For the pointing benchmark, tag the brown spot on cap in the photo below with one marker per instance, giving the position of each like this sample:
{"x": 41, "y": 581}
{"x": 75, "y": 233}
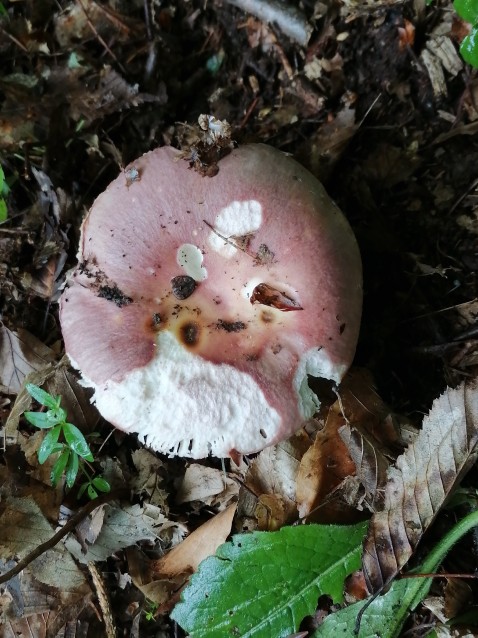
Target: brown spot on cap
{"x": 189, "y": 333}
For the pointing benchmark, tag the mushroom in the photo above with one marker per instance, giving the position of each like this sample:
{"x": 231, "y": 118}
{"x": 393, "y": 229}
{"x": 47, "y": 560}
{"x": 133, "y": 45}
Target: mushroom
{"x": 200, "y": 305}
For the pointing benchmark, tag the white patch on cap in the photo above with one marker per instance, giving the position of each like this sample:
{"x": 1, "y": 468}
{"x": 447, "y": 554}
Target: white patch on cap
{"x": 316, "y": 363}
{"x": 236, "y": 220}
{"x": 190, "y": 258}
{"x": 186, "y": 406}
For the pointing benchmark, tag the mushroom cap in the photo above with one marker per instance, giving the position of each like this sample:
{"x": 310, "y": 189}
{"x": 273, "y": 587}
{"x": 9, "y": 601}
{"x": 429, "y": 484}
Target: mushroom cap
{"x": 200, "y": 305}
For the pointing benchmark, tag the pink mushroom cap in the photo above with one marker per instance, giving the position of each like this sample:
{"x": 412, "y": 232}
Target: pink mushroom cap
{"x": 201, "y": 305}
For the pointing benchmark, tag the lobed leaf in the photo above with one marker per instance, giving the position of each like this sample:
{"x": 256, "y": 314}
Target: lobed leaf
{"x": 422, "y": 479}
{"x": 263, "y": 584}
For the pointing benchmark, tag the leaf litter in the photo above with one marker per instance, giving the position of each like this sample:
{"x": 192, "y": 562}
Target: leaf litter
{"x": 88, "y": 87}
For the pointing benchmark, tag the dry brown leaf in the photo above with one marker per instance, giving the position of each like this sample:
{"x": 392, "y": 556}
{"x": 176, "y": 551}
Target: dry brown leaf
{"x": 359, "y": 438}
{"x": 52, "y": 579}
{"x": 420, "y": 482}
{"x": 323, "y": 468}
{"x": 20, "y": 354}
{"x": 172, "y": 571}
{"x": 272, "y": 475}
{"x": 208, "y": 485}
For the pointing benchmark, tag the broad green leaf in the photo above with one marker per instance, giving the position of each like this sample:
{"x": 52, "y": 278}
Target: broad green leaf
{"x": 3, "y": 210}
{"x": 39, "y": 419}
{"x": 469, "y": 47}
{"x": 77, "y": 441}
{"x": 59, "y": 466}
{"x": 101, "y": 484}
{"x": 263, "y": 584}
{"x": 386, "y": 615}
{"x": 42, "y": 397}
{"x": 467, "y": 9}
{"x": 48, "y": 444}
{"x": 92, "y": 493}
{"x": 2, "y": 174}
{"x": 72, "y": 469}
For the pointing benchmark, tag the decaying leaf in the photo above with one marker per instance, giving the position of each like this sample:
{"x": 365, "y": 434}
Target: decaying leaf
{"x": 207, "y": 485}
{"x": 358, "y": 441}
{"x": 20, "y": 354}
{"x": 272, "y": 475}
{"x": 52, "y": 576}
{"x": 123, "y": 526}
{"x": 170, "y": 573}
{"x": 149, "y": 479}
{"x": 323, "y": 468}
{"x": 420, "y": 482}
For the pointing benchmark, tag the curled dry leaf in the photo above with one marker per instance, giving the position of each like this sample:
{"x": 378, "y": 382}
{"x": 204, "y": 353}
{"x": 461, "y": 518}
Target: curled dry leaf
{"x": 359, "y": 438}
{"x": 20, "y": 354}
{"x": 267, "y": 500}
{"x": 171, "y": 572}
{"x": 420, "y": 482}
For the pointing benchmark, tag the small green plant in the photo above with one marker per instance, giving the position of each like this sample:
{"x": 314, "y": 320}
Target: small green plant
{"x": 73, "y": 451}
{"x": 150, "y": 610}
{"x": 4, "y": 190}
{"x": 468, "y": 10}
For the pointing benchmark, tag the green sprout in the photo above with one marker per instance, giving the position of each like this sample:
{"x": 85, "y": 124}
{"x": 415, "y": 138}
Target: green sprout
{"x": 151, "y": 610}
{"x": 468, "y": 10}
{"x": 66, "y": 440}
{"x": 4, "y": 190}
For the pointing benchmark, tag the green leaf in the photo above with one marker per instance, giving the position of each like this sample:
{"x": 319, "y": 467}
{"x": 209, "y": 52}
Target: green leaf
{"x": 77, "y": 441}
{"x": 92, "y": 493}
{"x": 386, "y": 615}
{"x": 72, "y": 469}
{"x": 42, "y": 397}
{"x": 469, "y": 47}
{"x": 101, "y": 484}
{"x": 2, "y": 174}
{"x": 3, "y": 210}
{"x": 59, "y": 466}
{"x": 467, "y": 9}
{"x": 263, "y": 584}
{"x": 48, "y": 444}
{"x": 39, "y": 419}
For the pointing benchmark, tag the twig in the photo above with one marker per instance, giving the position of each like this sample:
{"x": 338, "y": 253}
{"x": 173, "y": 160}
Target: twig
{"x": 287, "y": 18}
{"x": 103, "y": 600}
{"x": 56, "y": 538}
{"x": 100, "y": 39}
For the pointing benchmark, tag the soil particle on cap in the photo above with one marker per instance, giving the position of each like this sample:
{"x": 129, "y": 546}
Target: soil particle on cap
{"x": 264, "y": 256}
{"x": 230, "y": 326}
{"x": 114, "y": 294}
{"x": 183, "y": 286}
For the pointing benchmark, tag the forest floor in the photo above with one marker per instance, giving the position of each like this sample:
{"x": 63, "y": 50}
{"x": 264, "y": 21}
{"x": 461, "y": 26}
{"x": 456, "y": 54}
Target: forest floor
{"x": 377, "y": 104}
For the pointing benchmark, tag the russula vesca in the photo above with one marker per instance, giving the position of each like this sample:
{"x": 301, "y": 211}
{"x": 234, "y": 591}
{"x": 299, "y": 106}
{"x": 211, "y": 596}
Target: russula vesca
{"x": 200, "y": 305}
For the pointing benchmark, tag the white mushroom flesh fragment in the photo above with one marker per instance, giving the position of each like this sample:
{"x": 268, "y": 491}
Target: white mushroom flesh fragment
{"x": 189, "y": 406}
{"x": 237, "y": 220}
{"x": 190, "y": 258}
